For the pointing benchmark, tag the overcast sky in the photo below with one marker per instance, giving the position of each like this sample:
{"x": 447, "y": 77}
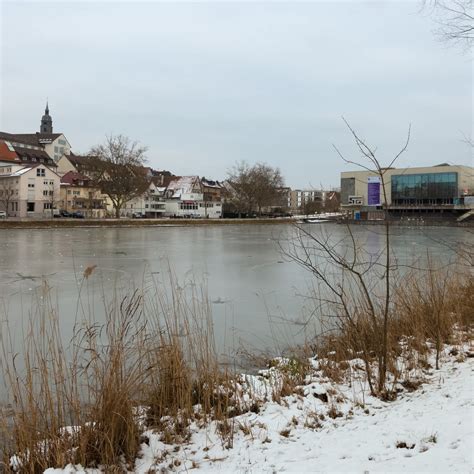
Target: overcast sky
{"x": 204, "y": 85}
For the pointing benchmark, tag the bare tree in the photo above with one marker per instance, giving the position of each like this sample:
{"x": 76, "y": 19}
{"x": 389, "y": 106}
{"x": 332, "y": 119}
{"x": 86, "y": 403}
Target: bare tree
{"x": 117, "y": 169}
{"x": 356, "y": 283}
{"x": 332, "y": 203}
{"x": 455, "y": 19}
{"x": 51, "y": 196}
{"x": 255, "y": 187}
{"x": 7, "y": 193}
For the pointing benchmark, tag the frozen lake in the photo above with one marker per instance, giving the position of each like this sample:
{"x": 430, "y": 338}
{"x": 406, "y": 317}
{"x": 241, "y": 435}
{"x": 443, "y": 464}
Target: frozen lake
{"x": 257, "y": 296}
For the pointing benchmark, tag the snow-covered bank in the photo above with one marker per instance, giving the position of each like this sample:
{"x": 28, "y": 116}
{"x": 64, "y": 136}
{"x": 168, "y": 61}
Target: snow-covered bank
{"x": 325, "y": 427}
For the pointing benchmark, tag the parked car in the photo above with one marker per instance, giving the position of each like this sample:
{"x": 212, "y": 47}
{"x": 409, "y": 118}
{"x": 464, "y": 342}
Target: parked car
{"x": 138, "y": 215}
{"x": 77, "y": 215}
{"x": 3, "y": 215}
{"x": 63, "y": 213}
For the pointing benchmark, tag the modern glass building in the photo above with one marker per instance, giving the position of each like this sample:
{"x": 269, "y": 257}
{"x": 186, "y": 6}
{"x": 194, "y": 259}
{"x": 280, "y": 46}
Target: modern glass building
{"x": 433, "y": 189}
{"x": 426, "y": 189}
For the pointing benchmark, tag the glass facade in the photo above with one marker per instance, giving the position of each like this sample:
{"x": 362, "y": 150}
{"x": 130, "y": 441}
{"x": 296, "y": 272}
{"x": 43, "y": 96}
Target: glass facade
{"x": 426, "y": 188}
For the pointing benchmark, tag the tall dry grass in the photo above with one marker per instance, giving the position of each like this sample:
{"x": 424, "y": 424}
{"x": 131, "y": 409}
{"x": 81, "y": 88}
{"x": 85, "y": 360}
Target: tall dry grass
{"x": 84, "y": 403}
{"x": 429, "y": 309}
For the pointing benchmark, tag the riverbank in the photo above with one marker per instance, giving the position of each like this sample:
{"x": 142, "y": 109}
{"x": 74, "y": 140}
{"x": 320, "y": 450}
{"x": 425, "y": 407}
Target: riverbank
{"x": 67, "y": 223}
{"x": 326, "y": 427}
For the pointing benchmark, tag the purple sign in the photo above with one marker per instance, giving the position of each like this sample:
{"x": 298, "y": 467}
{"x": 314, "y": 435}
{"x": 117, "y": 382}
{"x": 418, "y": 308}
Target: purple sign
{"x": 373, "y": 191}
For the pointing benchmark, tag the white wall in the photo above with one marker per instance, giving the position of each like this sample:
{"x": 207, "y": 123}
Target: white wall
{"x": 58, "y": 148}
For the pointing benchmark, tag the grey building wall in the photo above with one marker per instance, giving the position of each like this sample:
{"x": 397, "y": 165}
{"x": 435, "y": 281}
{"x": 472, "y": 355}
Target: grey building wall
{"x": 347, "y": 189}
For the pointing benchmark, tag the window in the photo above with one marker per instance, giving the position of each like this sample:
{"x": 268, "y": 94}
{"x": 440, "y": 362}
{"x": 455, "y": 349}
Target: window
{"x": 56, "y": 149}
{"x": 47, "y": 205}
{"x": 30, "y": 207}
{"x": 45, "y": 193}
{"x": 40, "y": 172}
{"x": 31, "y": 185}
{"x": 61, "y": 141}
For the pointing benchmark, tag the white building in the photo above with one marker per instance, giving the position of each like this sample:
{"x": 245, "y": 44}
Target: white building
{"x": 185, "y": 197}
{"x": 28, "y": 190}
{"x": 151, "y": 204}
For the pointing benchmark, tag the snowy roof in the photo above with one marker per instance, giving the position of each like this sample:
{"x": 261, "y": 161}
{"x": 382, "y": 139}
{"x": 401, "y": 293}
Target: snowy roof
{"x": 183, "y": 185}
{"x": 18, "y": 172}
{"x": 211, "y": 184}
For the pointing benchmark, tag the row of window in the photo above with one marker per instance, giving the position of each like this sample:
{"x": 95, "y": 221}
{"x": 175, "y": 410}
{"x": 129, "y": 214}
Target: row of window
{"x": 428, "y": 186}
{"x": 32, "y": 185}
{"x": 188, "y": 206}
{"x": 34, "y": 159}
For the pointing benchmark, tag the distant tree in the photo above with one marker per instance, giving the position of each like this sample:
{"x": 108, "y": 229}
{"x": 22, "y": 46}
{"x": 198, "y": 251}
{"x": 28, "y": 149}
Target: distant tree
{"x": 312, "y": 206}
{"x": 255, "y": 187}
{"x": 117, "y": 169}
{"x": 455, "y": 19}
{"x": 332, "y": 203}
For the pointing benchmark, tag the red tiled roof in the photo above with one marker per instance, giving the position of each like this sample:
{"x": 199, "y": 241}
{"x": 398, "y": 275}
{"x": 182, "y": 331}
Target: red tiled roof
{"x": 72, "y": 178}
{"x": 6, "y": 154}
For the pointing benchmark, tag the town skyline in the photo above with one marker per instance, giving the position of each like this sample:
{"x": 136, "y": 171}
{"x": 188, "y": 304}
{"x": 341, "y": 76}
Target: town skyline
{"x": 205, "y": 86}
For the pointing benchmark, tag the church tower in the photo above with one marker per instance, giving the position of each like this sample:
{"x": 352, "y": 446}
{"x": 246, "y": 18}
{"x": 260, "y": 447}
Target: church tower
{"x": 46, "y": 121}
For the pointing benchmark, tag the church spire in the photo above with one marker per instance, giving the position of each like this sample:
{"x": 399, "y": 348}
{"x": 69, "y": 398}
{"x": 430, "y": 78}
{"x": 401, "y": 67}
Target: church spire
{"x": 46, "y": 121}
